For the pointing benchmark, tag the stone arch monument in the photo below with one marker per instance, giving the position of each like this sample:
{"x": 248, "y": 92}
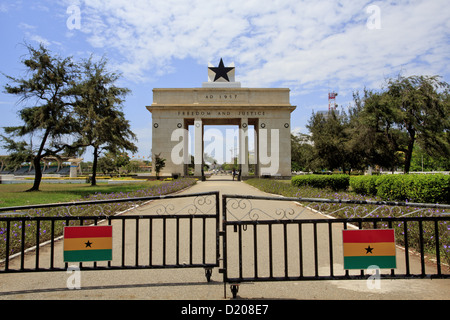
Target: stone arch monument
{"x": 222, "y": 101}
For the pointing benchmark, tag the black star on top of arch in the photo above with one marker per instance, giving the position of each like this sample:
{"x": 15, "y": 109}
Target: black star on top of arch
{"x": 221, "y": 71}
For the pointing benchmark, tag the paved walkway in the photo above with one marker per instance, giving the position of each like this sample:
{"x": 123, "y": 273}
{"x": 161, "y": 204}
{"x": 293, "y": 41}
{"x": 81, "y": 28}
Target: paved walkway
{"x": 182, "y": 284}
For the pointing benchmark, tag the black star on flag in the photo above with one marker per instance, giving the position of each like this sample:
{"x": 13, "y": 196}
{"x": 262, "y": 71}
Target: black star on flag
{"x": 221, "y": 71}
{"x": 88, "y": 244}
{"x": 369, "y": 250}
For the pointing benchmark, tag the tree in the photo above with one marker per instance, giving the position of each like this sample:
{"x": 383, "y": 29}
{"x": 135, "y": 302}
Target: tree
{"x": 112, "y": 162}
{"x": 102, "y": 123}
{"x": 21, "y": 154}
{"x": 302, "y": 153}
{"x": 159, "y": 164}
{"x": 330, "y": 135}
{"x": 48, "y": 117}
{"x": 134, "y": 166}
{"x": 375, "y": 137}
{"x": 421, "y": 161}
{"x": 410, "y": 109}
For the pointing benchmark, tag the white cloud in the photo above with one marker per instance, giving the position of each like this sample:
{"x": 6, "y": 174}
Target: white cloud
{"x": 26, "y": 26}
{"x": 297, "y": 130}
{"x": 7, "y": 6}
{"x": 299, "y": 43}
{"x": 39, "y": 39}
{"x": 30, "y": 33}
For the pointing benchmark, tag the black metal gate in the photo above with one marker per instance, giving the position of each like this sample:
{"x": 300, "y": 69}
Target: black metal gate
{"x": 148, "y": 233}
{"x": 263, "y": 241}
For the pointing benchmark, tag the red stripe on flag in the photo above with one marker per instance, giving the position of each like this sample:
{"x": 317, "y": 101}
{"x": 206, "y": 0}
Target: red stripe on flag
{"x": 88, "y": 232}
{"x": 368, "y": 236}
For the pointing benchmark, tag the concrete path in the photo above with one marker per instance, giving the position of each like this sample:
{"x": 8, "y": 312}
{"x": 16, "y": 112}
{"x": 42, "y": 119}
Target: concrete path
{"x": 190, "y": 284}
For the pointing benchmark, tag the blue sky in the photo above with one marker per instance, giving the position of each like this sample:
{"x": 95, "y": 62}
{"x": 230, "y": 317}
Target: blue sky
{"x": 311, "y": 47}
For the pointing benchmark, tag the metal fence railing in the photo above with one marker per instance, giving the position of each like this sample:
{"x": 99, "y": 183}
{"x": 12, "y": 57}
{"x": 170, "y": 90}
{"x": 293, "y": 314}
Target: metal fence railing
{"x": 148, "y": 232}
{"x": 263, "y": 238}
{"x": 266, "y": 241}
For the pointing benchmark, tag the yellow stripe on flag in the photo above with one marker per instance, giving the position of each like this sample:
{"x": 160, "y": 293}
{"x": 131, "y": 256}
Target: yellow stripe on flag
{"x": 369, "y": 249}
{"x": 87, "y": 244}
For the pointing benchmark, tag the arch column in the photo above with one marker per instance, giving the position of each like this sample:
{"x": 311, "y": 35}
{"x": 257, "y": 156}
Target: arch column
{"x": 198, "y": 147}
{"x": 243, "y": 146}
{"x": 256, "y": 148}
{"x": 186, "y": 156}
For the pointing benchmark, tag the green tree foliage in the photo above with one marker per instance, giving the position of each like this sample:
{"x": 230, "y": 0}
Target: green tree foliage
{"x": 46, "y": 91}
{"x": 68, "y": 107}
{"x": 331, "y": 136}
{"x": 99, "y": 112}
{"x": 160, "y": 163}
{"x": 21, "y": 154}
{"x": 302, "y": 156}
{"x": 112, "y": 163}
{"x": 409, "y": 110}
{"x": 422, "y": 161}
{"x": 375, "y": 132}
{"x": 385, "y": 128}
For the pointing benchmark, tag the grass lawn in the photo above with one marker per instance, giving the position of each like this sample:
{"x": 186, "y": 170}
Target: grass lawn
{"x": 15, "y": 195}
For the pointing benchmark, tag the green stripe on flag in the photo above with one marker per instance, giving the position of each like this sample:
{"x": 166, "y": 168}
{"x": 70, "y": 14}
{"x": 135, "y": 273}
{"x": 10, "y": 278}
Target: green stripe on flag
{"x": 383, "y": 262}
{"x": 87, "y": 255}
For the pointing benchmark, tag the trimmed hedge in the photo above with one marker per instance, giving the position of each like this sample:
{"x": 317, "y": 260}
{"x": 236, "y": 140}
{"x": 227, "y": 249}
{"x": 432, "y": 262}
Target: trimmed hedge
{"x": 433, "y": 188}
{"x": 364, "y": 184}
{"x": 335, "y": 181}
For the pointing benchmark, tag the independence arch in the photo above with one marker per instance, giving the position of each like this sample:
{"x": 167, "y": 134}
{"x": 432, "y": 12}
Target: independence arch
{"x": 222, "y": 101}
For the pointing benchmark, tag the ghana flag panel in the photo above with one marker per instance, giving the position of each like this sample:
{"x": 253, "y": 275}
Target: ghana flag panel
{"x": 87, "y": 243}
{"x": 365, "y": 248}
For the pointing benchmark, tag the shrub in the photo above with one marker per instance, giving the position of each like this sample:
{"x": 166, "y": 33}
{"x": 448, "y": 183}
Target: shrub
{"x": 416, "y": 188}
{"x": 431, "y": 188}
{"x": 365, "y": 185}
{"x": 334, "y": 181}
{"x": 392, "y": 187}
